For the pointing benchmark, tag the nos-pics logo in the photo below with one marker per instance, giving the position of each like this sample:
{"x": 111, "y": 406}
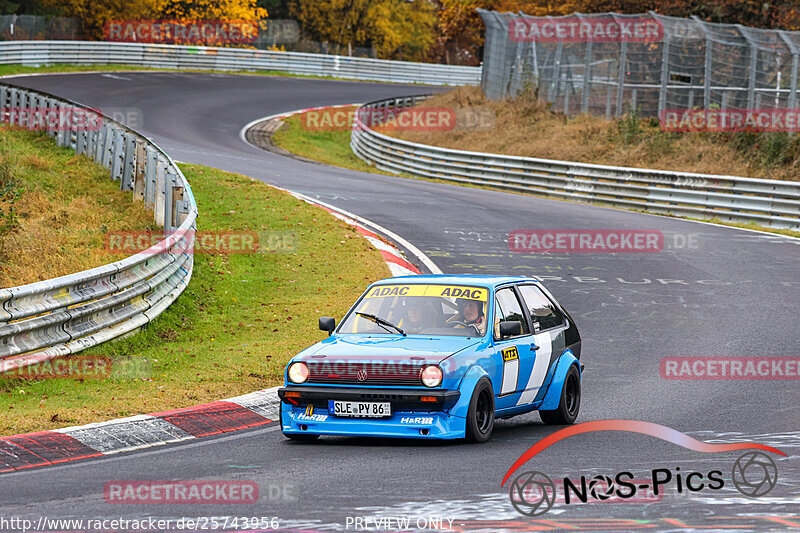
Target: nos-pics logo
{"x": 533, "y": 493}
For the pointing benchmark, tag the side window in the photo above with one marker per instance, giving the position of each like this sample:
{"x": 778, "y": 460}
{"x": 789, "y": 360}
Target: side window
{"x": 508, "y": 308}
{"x": 544, "y": 315}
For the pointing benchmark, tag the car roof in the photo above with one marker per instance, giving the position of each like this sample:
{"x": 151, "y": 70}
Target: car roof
{"x": 480, "y": 280}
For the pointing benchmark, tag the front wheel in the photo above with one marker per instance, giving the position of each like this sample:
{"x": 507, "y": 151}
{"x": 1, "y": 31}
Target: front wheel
{"x": 480, "y": 418}
{"x": 570, "y": 403}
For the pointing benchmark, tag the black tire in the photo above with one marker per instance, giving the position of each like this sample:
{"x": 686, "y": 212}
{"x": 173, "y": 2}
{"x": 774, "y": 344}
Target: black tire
{"x": 480, "y": 418}
{"x": 302, "y": 437}
{"x": 570, "y": 403}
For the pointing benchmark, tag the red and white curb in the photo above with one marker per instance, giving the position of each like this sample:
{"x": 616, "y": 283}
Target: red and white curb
{"x": 44, "y": 448}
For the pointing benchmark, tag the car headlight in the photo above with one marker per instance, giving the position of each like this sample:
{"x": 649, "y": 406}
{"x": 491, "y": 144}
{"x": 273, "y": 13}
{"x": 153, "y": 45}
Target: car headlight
{"x": 298, "y": 372}
{"x": 431, "y": 376}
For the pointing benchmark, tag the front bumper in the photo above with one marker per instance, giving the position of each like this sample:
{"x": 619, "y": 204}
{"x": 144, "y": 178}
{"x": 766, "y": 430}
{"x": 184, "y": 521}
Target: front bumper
{"x": 411, "y": 417}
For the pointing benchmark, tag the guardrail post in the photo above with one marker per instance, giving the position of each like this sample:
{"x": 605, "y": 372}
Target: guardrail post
{"x": 150, "y": 178}
{"x": 99, "y": 143}
{"x": 128, "y": 161}
{"x": 64, "y": 125}
{"x": 81, "y": 141}
{"x": 139, "y": 174}
{"x": 13, "y": 117}
{"x": 169, "y": 184}
{"x": 108, "y": 154}
{"x": 161, "y": 178}
{"x": 180, "y": 209}
{"x": 117, "y": 153}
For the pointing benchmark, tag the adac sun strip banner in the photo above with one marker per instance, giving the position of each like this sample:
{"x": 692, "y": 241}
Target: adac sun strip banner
{"x": 446, "y": 291}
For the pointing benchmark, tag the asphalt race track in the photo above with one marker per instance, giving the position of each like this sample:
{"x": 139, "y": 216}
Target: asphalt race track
{"x": 712, "y": 291}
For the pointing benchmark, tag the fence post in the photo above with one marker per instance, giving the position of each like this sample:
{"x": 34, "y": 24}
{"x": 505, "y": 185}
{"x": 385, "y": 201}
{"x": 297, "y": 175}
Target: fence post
{"x": 623, "y": 60}
{"x": 663, "y": 93}
{"x": 795, "y": 57}
{"x": 707, "y": 72}
{"x": 554, "y": 85}
{"x": 751, "y": 82}
{"x": 587, "y": 78}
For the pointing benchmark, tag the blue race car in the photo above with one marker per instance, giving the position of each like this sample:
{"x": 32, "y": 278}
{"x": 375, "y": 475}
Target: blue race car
{"x": 436, "y": 357}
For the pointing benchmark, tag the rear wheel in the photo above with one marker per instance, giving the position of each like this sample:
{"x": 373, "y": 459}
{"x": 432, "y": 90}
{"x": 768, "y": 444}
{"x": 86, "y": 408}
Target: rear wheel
{"x": 298, "y": 436}
{"x": 480, "y": 418}
{"x": 570, "y": 403}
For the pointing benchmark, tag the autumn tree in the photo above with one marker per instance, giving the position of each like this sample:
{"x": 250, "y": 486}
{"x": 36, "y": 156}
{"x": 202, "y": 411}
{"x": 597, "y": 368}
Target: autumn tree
{"x": 458, "y": 33}
{"x": 95, "y": 13}
{"x": 398, "y": 29}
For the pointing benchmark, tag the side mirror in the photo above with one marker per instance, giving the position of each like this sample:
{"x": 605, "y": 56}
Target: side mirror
{"x": 509, "y": 328}
{"x": 327, "y": 323}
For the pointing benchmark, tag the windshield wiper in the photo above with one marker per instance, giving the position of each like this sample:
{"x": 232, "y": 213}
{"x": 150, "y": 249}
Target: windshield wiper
{"x": 382, "y": 322}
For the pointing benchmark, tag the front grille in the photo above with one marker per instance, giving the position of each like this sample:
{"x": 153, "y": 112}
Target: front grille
{"x": 373, "y": 373}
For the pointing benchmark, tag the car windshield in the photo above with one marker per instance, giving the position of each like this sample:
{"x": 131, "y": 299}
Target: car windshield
{"x": 457, "y": 310}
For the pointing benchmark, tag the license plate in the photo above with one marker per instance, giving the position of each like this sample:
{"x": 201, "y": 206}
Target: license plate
{"x": 360, "y": 409}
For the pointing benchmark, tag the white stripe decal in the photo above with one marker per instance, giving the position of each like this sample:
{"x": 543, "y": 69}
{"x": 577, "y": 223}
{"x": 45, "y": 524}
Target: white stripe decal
{"x": 545, "y": 344}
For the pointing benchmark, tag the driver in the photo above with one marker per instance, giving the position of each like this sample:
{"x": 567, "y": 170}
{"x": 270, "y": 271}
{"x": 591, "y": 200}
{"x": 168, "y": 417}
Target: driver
{"x": 472, "y": 313}
{"x": 414, "y": 319}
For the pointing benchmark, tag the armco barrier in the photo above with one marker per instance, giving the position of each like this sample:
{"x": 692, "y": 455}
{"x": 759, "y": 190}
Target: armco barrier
{"x": 770, "y": 203}
{"x": 37, "y": 53}
{"x": 64, "y": 315}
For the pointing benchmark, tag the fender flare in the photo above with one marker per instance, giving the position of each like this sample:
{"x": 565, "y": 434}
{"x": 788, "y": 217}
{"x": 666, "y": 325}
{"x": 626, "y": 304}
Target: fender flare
{"x": 552, "y": 398}
{"x": 467, "y": 387}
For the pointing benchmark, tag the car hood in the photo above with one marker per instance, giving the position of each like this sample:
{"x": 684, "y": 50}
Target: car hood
{"x": 370, "y": 347}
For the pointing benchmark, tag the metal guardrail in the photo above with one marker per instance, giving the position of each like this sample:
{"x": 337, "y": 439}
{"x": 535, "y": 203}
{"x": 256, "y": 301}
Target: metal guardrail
{"x": 36, "y": 53}
{"x": 64, "y": 315}
{"x": 771, "y": 203}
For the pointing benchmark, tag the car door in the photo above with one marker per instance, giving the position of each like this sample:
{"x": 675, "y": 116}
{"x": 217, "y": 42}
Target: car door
{"x": 548, "y": 324}
{"x": 512, "y": 354}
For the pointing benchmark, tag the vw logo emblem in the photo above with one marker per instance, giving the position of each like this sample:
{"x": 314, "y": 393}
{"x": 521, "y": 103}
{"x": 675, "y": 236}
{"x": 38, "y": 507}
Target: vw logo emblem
{"x": 361, "y": 375}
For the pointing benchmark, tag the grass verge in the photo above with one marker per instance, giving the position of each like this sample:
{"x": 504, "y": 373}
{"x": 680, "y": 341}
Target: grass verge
{"x": 233, "y": 329}
{"x": 329, "y": 147}
{"x": 55, "y": 210}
